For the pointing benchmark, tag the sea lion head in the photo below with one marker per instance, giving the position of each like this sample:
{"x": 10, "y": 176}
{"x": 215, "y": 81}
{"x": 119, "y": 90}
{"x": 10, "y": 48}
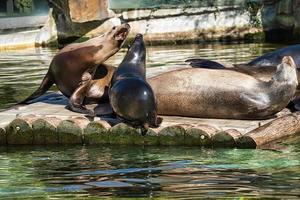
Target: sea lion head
{"x": 287, "y": 71}
{"x": 136, "y": 53}
{"x": 118, "y": 34}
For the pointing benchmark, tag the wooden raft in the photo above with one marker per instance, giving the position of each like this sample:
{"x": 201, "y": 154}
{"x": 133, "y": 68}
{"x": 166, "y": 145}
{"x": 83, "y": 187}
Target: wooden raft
{"x": 48, "y": 122}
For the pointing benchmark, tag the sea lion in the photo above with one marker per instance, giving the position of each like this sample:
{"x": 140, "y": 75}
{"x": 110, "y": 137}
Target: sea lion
{"x": 131, "y": 97}
{"x": 219, "y": 93}
{"x": 261, "y": 68}
{"x": 75, "y": 66}
{"x": 274, "y": 58}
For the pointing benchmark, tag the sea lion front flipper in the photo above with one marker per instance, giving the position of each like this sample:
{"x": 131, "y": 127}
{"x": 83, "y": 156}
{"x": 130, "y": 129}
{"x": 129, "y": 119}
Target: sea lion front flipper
{"x": 77, "y": 98}
{"x": 204, "y": 63}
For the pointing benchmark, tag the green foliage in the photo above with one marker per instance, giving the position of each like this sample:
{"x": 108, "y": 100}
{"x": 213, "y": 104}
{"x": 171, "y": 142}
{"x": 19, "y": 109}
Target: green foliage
{"x": 24, "y": 6}
{"x": 254, "y": 7}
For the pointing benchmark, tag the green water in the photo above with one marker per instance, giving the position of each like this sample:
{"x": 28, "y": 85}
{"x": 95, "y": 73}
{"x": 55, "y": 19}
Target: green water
{"x": 131, "y": 171}
{"x": 99, "y": 172}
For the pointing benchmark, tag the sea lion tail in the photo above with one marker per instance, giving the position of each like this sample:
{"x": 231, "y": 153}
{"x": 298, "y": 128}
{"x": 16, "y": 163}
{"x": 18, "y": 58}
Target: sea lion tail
{"x": 44, "y": 86}
{"x": 204, "y": 63}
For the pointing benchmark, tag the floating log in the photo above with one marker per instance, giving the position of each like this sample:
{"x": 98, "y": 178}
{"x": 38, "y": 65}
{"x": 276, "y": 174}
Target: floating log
{"x": 277, "y": 129}
{"x": 172, "y": 135}
{"x": 19, "y": 131}
{"x": 44, "y": 130}
{"x": 71, "y": 131}
{"x": 200, "y": 135}
{"x": 226, "y": 138}
{"x": 2, "y": 136}
{"x": 122, "y": 134}
{"x": 151, "y": 138}
{"x": 96, "y": 132}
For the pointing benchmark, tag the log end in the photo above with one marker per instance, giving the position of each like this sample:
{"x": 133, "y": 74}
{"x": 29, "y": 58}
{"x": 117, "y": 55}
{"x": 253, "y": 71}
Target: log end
{"x": 246, "y": 142}
{"x": 19, "y": 131}
{"x": 69, "y": 132}
{"x": 44, "y": 131}
{"x": 96, "y": 133}
{"x": 172, "y": 135}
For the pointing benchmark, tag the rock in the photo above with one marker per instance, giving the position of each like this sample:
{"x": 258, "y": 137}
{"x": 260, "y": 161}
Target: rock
{"x": 89, "y": 10}
{"x": 47, "y": 36}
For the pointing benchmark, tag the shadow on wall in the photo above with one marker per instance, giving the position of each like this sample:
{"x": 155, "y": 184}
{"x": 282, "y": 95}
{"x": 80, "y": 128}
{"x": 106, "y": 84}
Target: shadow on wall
{"x": 71, "y": 28}
{"x": 281, "y": 20}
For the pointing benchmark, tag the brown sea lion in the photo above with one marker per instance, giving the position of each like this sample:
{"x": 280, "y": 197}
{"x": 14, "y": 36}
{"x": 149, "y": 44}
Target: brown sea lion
{"x": 75, "y": 66}
{"x": 130, "y": 96}
{"x": 262, "y": 67}
{"x": 219, "y": 93}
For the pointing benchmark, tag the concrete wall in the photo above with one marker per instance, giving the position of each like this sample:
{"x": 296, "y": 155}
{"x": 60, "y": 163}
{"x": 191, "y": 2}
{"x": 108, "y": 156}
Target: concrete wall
{"x": 72, "y": 20}
{"x": 158, "y": 25}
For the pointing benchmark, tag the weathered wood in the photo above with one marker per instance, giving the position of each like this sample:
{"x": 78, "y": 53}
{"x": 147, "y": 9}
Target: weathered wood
{"x": 2, "y": 136}
{"x": 96, "y": 132}
{"x": 71, "y": 131}
{"x": 172, "y": 135}
{"x": 122, "y": 134}
{"x": 227, "y": 138}
{"x": 19, "y": 131}
{"x": 277, "y": 129}
{"x": 199, "y": 135}
{"x": 44, "y": 130}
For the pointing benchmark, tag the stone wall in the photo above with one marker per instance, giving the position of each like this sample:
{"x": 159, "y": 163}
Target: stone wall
{"x": 88, "y": 18}
{"x": 281, "y": 20}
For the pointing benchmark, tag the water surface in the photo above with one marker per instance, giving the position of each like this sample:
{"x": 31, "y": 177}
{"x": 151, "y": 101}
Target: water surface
{"x": 131, "y": 171}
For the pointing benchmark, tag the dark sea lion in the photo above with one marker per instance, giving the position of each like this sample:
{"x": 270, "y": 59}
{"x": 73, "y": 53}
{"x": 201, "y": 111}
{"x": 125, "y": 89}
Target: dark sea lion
{"x": 219, "y": 93}
{"x": 274, "y": 58}
{"x": 75, "y": 66}
{"x": 131, "y": 97}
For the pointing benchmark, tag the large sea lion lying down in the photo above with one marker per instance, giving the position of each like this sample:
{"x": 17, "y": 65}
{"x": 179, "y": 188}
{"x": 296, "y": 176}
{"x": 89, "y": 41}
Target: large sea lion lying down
{"x": 262, "y": 67}
{"x": 130, "y": 96}
{"x": 75, "y": 66}
{"x": 219, "y": 93}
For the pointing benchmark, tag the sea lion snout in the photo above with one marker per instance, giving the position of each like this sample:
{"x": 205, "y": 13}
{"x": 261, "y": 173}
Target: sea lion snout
{"x": 289, "y": 61}
{"x": 121, "y": 32}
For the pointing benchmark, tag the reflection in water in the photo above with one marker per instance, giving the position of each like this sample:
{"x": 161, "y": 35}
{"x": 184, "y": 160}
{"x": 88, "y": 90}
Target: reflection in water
{"x": 149, "y": 172}
{"x": 21, "y": 71}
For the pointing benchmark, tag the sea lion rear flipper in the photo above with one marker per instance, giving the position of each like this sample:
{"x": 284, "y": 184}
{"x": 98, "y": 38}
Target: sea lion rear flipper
{"x": 47, "y": 82}
{"x": 103, "y": 110}
{"x": 204, "y": 63}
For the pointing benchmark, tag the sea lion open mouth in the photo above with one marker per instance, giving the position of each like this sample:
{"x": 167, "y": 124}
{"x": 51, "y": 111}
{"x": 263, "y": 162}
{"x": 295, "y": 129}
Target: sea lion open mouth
{"x": 122, "y": 33}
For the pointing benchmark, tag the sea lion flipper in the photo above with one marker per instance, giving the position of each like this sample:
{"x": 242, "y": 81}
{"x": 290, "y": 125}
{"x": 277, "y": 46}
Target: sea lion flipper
{"x": 204, "y": 63}
{"x": 47, "y": 82}
{"x": 77, "y": 98}
{"x": 103, "y": 110}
